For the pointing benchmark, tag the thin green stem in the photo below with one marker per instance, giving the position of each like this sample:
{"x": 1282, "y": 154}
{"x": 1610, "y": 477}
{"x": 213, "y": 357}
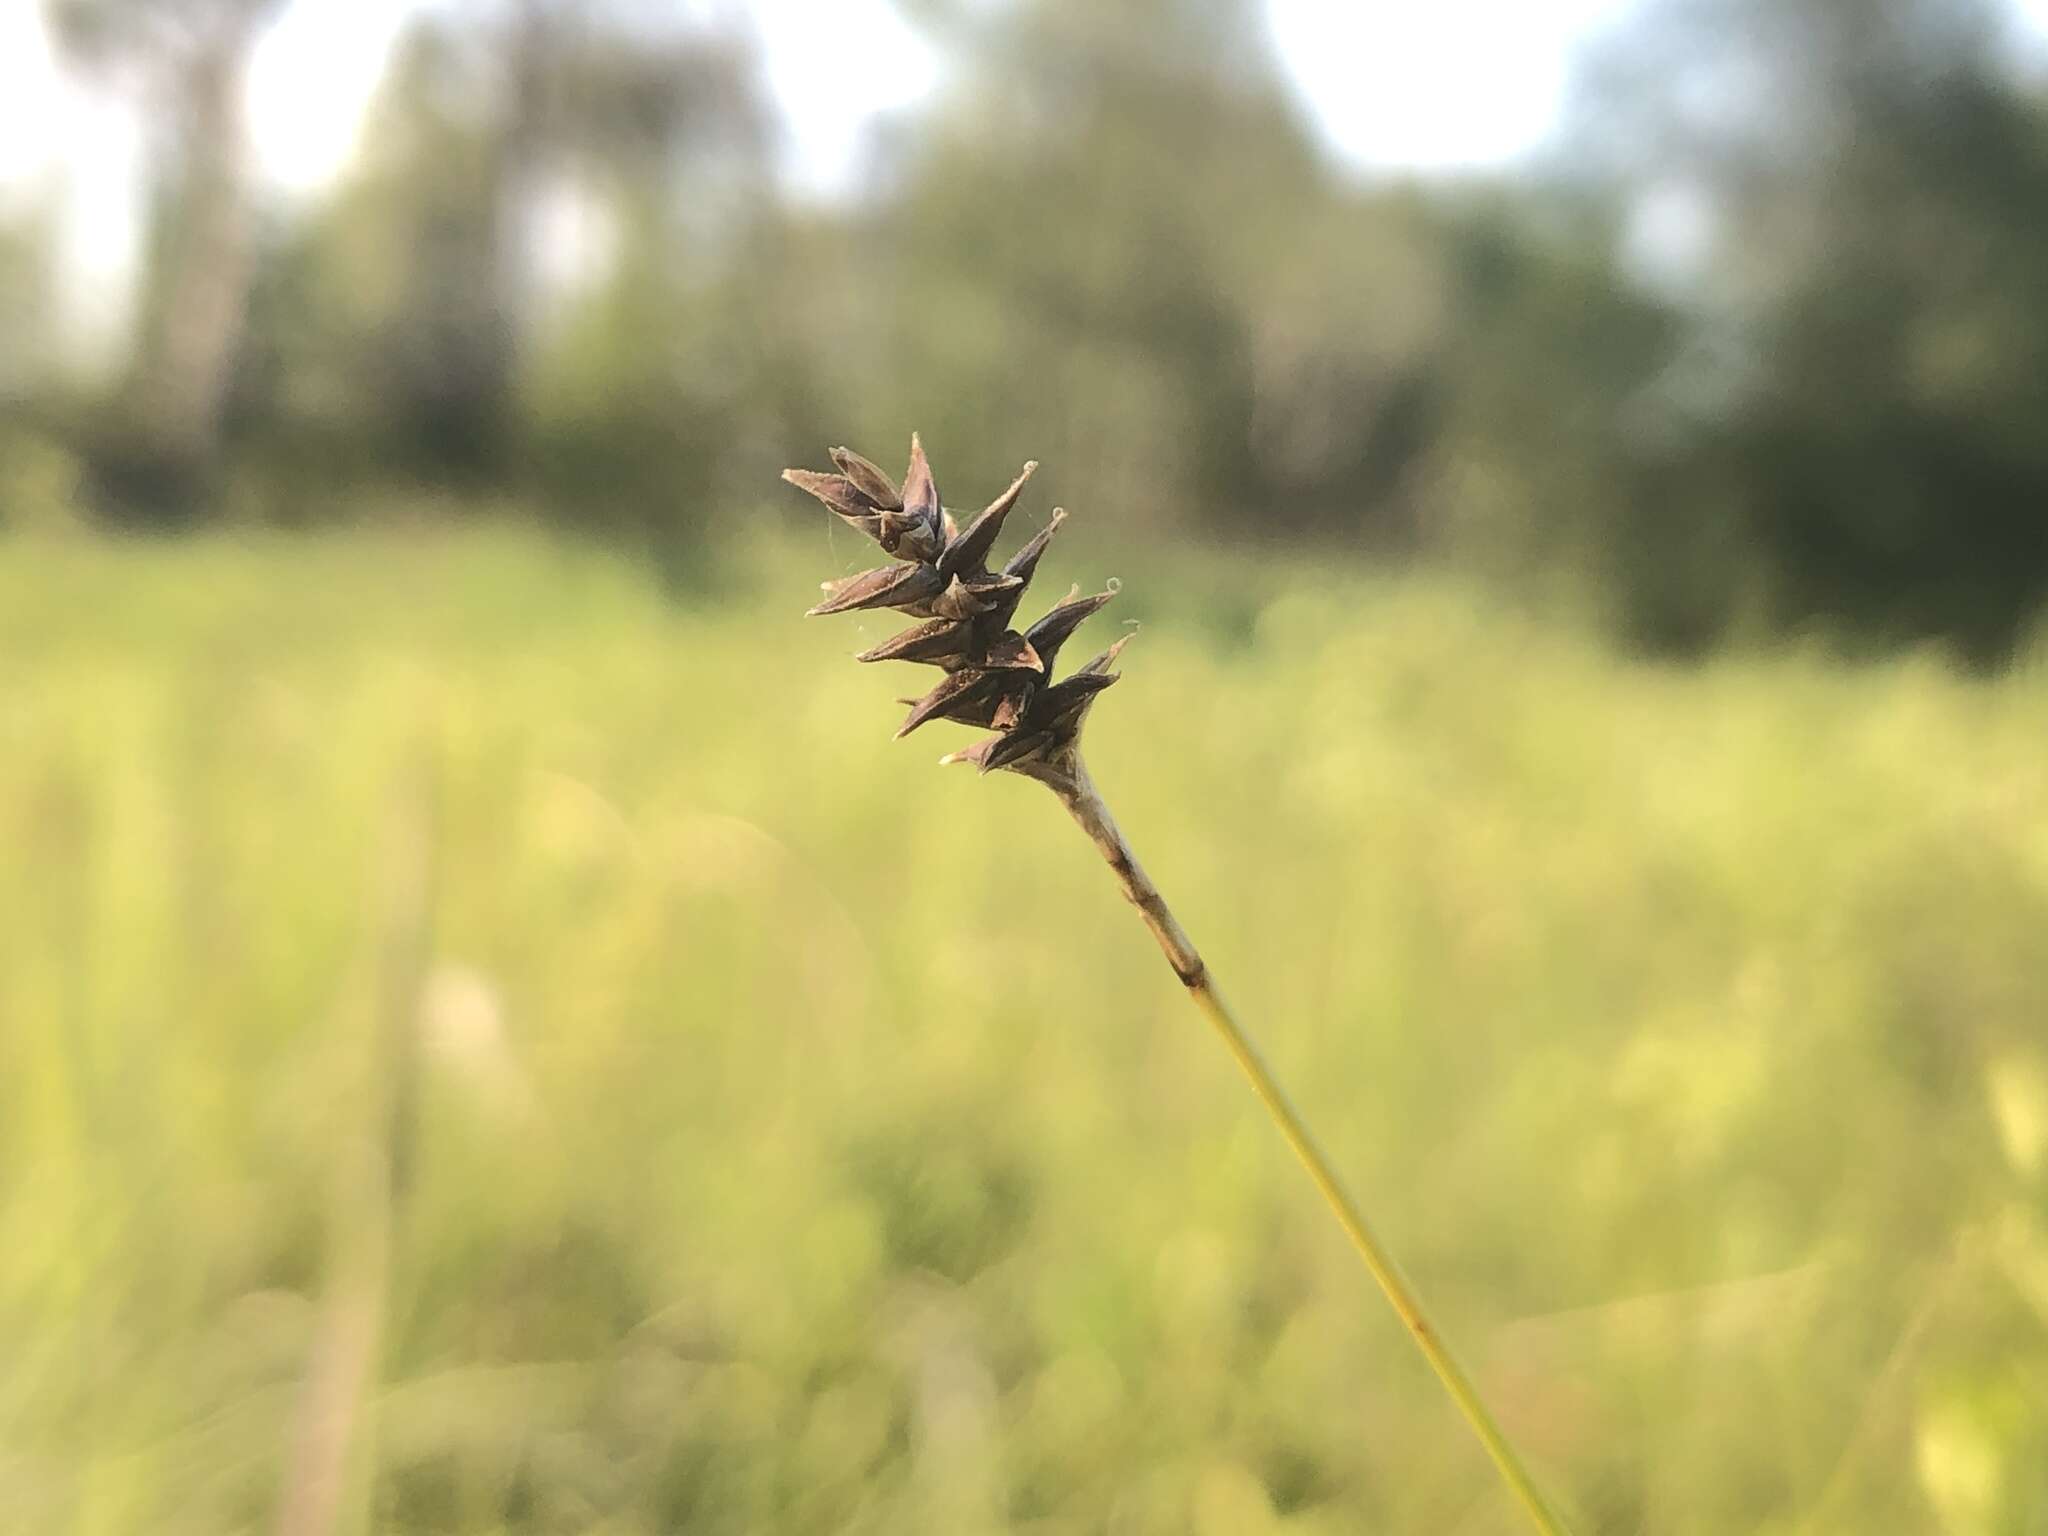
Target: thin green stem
{"x": 1068, "y": 778}
{"x": 1399, "y": 1292}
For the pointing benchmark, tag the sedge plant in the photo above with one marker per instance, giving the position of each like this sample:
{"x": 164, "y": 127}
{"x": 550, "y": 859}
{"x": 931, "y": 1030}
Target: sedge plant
{"x": 1001, "y": 679}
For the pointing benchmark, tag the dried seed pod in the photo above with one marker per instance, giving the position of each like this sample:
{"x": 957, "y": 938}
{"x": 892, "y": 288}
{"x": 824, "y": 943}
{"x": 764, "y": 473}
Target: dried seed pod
{"x": 842, "y": 496}
{"x": 966, "y": 552}
{"x": 1051, "y": 631}
{"x": 887, "y": 586}
{"x": 938, "y": 641}
{"x": 1002, "y": 680}
{"x": 968, "y": 693}
{"x": 870, "y": 481}
{"x": 924, "y": 533}
{"x": 995, "y": 677}
{"x": 971, "y": 597}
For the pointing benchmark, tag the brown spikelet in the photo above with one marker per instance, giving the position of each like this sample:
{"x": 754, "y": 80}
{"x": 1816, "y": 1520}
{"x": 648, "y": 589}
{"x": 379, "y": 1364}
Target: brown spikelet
{"x": 996, "y": 678}
{"x": 1002, "y": 681}
{"x": 886, "y": 586}
{"x": 869, "y": 480}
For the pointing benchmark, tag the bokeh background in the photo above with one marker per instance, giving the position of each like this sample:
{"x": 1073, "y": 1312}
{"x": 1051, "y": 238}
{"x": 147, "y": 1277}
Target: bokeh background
{"x": 493, "y": 1036}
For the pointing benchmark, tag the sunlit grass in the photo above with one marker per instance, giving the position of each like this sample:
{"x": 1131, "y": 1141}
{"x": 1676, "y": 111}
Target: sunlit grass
{"x": 1685, "y": 1029}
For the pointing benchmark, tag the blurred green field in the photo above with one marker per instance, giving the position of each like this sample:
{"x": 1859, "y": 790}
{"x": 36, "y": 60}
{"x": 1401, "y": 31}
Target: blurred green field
{"x": 808, "y": 1139}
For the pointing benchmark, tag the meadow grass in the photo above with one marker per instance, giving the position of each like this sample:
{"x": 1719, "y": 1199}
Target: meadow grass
{"x": 1685, "y": 1029}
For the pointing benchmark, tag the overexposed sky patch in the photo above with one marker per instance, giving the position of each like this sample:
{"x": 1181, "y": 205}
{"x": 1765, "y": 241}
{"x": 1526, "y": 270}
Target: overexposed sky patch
{"x": 1441, "y": 86}
{"x": 1445, "y": 85}
{"x": 28, "y": 94}
{"x": 832, "y": 68}
{"x": 1449, "y": 84}
{"x": 310, "y": 83}
{"x": 65, "y": 156}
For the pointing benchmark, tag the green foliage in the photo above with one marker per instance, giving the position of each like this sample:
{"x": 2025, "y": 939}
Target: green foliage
{"x": 530, "y": 282}
{"x": 40, "y": 484}
{"x": 27, "y": 293}
{"x": 811, "y": 1141}
{"x": 152, "y": 446}
{"x": 1866, "y": 452}
{"x": 380, "y": 348}
{"x": 563, "y": 273}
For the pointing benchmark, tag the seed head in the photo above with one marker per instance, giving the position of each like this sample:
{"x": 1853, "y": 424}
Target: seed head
{"x": 995, "y": 677}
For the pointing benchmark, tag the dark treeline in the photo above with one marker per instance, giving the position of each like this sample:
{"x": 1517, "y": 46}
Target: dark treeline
{"x": 1762, "y": 346}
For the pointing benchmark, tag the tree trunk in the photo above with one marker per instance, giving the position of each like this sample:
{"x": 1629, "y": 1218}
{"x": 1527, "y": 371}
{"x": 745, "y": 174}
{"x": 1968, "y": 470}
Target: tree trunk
{"x": 195, "y": 293}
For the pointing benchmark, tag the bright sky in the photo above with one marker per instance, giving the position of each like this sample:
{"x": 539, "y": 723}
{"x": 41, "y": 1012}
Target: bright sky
{"x": 1395, "y": 83}
{"x": 1439, "y": 85}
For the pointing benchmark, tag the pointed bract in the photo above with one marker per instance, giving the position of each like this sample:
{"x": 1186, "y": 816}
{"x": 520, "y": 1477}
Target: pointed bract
{"x": 966, "y": 552}
{"x": 936, "y": 641}
{"x": 958, "y": 692}
{"x": 836, "y": 491}
{"x": 868, "y": 479}
{"x": 918, "y": 541}
{"x": 1023, "y": 563}
{"x": 896, "y": 528}
{"x": 1000, "y": 705}
{"x": 976, "y": 754}
{"x": 1071, "y": 693}
{"x": 969, "y": 597}
{"x": 888, "y": 586}
{"x": 1051, "y": 631}
{"x": 1016, "y": 747}
{"x": 995, "y": 677}
{"x": 1049, "y": 726}
{"x": 1012, "y": 652}
{"x": 842, "y": 496}
{"x": 920, "y": 491}
{"x": 1107, "y": 659}
{"x": 993, "y": 752}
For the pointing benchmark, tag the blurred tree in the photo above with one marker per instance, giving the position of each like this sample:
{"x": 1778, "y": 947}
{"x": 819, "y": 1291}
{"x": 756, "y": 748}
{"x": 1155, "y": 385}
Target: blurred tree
{"x": 1873, "y": 292}
{"x": 1552, "y": 362}
{"x": 38, "y": 475}
{"x": 515, "y": 287}
{"x": 1118, "y": 244}
{"x": 27, "y": 307}
{"x": 643, "y": 387}
{"x": 183, "y": 61}
{"x": 379, "y": 347}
